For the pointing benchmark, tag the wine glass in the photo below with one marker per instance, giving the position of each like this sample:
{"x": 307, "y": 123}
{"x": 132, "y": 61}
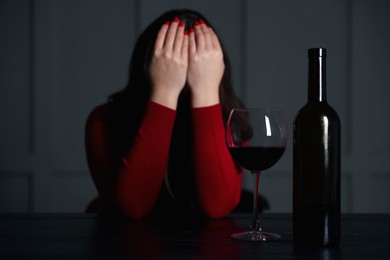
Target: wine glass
{"x": 256, "y": 139}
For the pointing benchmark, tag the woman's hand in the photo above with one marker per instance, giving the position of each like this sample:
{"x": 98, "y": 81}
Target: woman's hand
{"x": 168, "y": 68}
{"x": 205, "y": 66}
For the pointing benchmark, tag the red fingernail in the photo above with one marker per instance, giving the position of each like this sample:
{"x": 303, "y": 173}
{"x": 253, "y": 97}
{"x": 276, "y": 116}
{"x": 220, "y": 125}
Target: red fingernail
{"x": 168, "y": 23}
{"x": 176, "y": 19}
{"x": 181, "y": 24}
{"x": 192, "y": 29}
{"x": 196, "y": 23}
{"x": 185, "y": 32}
{"x": 201, "y": 21}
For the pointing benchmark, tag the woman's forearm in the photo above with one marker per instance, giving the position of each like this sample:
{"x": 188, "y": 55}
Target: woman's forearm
{"x": 140, "y": 179}
{"x": 218, "y": 180}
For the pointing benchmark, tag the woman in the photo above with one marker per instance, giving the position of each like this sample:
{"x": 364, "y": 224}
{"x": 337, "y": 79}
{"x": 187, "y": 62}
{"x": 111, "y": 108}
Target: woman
{"x": 158, "y": 145}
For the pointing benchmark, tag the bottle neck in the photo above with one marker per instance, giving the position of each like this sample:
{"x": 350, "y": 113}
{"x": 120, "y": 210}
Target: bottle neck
{"x": 317, "y": 79}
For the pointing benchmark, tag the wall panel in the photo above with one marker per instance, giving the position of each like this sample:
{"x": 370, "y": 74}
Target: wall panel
{"x": 15, "y": 99}
{"x": 93, "y": 44}
{"x": 72, "y": 191}
{"x": 15, "y": 192}
{"x": 83, "y": 50}
{"x": 371, "y": 124}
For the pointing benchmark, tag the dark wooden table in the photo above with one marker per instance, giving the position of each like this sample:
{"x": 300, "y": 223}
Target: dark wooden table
{"x": 86, "y": 236}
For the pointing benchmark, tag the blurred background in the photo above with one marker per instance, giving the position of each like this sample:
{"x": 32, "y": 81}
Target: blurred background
{"x": 60, "y": 59}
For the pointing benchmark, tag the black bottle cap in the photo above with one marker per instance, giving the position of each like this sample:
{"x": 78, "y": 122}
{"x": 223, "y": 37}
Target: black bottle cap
{"x": 317, "y": 52}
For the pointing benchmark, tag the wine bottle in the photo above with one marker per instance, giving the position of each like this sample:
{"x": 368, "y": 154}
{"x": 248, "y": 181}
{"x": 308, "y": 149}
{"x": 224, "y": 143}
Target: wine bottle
{"x": 316, "y": 162}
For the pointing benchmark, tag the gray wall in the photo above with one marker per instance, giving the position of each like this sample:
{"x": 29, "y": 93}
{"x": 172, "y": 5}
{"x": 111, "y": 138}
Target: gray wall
{"x": 59, "y": 59}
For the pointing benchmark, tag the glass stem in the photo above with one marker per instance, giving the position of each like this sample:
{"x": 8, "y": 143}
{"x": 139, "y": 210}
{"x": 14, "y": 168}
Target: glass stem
{"x": 255, "y": 226}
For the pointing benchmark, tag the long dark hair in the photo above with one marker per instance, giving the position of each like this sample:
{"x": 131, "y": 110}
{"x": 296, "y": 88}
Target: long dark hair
{"x": 133, "y": 99}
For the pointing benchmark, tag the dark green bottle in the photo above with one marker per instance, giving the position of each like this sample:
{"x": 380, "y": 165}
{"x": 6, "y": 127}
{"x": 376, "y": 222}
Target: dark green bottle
{"x": 316, "y": 162}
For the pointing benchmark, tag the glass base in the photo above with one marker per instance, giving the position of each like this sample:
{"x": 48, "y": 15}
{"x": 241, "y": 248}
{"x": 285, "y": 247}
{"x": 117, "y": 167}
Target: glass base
{"x": 256, "y": 236}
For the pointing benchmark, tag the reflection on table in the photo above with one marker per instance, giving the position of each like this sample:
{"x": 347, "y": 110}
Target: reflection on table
{"x": 81, "y": 236}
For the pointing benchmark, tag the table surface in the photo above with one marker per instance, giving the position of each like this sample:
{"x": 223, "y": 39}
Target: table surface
{"x": 88, "y": 236}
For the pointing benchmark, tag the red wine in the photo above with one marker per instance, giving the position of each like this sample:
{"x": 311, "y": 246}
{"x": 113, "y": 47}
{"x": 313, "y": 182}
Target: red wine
{"x": 256, "y": 158}
{"x": 316, "y": 163}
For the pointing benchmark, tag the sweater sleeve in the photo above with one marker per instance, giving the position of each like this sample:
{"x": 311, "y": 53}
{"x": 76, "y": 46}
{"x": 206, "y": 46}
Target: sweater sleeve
{"x": 218, "y": 180}
{"x": 142, "y": 169}
{"x": 144, "y": 166}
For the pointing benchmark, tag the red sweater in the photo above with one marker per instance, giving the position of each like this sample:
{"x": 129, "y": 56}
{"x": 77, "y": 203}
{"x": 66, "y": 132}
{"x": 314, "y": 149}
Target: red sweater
{"x": 198, "y": 167}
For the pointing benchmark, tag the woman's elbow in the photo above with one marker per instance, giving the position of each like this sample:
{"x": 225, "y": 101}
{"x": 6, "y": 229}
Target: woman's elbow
{"x": 133, "y": 209}
{"x": 219, "y": 209}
